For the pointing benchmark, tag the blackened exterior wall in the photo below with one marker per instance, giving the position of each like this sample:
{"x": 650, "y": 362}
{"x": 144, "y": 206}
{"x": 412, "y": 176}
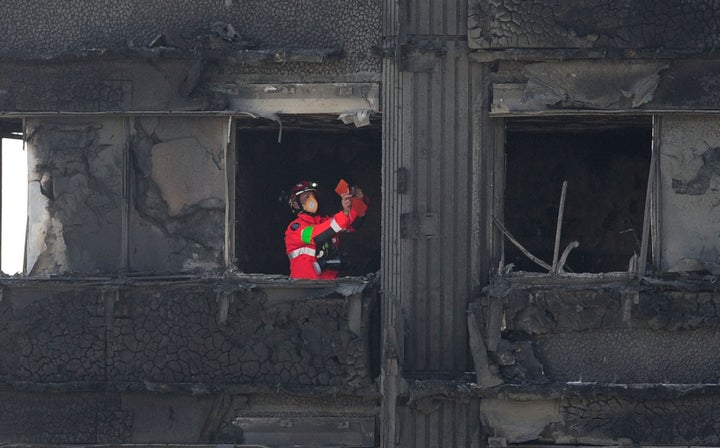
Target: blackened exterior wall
{"x": 200, "y": 360}
{"x": 41, "y": 30}
{"x": 580, "y": 363}
{"x": 96, "y": 363}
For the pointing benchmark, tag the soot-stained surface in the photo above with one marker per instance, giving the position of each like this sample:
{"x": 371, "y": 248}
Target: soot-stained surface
{"x": 93, "y": 363}
{"x": 36, "y": 30}
{"x": 613, "y": 334}
{"x": 593, "y": 23}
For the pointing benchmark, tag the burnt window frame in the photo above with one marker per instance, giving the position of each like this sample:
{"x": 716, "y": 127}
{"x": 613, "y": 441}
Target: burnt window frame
{"x": 648, "y": 260}
{"x": 281, "y": 127}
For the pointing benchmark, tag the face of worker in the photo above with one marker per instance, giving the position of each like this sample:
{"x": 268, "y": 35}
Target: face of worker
{"x": 309, "y": 202}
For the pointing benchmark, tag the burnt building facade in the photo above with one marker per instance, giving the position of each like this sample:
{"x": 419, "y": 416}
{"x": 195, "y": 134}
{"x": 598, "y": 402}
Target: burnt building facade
{"x": 538, "y": 265}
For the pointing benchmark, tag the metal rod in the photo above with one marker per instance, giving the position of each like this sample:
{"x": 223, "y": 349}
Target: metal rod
{"x": 558, "y": 228}
{"x": 648, "y": 200}
{"x": 527, "y": 253}
{"x": 566, "y": 252}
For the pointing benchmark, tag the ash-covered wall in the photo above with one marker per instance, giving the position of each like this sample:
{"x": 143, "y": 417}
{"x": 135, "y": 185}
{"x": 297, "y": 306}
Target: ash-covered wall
{"x": 177, "y": 194}
{"x": 603, "y": 333}
{"x": 600, "y": 361}
{"x": 99, "y": 363}
{"x": 38, "y": 30}
{"x": 604, "y": 24}
{"x": 129, "y": 113}
{"x": 690, "y": 191}
{"x": 126, "y": 194}
{"x": 75, "y": 197}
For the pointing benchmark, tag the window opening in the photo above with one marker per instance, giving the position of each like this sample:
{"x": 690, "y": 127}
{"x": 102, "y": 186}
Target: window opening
{"x": 14, "y": 199}
{"x": 605, "y": 161}
{"x": 313, "y": 147}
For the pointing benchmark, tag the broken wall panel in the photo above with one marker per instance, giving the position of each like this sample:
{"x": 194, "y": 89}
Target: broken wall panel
{"x": 620, "y": 334}
{"x": 75, "y": 169}
{"x": 643, "y": 417}
{"x": 178, "y": 188}
{"x": 643, "y": 86}
{"x": 588, "y": 24}
{"x": 580, "y": 85}
{"x": 689, "y": 148}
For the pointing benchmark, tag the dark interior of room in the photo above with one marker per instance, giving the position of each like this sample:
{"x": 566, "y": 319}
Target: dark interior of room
{"x": 315, "y": 148}
{"x": 605, "y": 161}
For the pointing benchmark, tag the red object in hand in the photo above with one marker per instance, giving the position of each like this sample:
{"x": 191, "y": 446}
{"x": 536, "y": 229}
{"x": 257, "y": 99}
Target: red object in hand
{"x": 357, "y": 204}
{"x": 342, "y": 187}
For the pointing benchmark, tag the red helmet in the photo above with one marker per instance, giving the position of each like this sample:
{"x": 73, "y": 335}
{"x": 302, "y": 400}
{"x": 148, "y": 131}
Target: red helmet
{"x": 298, "y": 189}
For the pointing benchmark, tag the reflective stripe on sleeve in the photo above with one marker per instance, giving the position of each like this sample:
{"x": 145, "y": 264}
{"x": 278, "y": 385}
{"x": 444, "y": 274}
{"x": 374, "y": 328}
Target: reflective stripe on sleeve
{"x": 335, "y": 226}
{"x": 306, "y": 234}
{"x": 301, "y": 251}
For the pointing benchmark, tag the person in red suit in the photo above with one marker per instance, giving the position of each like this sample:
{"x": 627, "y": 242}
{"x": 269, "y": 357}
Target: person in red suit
{"x": 311, "y": 240}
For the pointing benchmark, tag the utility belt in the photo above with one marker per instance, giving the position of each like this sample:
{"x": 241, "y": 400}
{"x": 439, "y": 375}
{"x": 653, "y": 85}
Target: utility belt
{"x": 327, "y": 257}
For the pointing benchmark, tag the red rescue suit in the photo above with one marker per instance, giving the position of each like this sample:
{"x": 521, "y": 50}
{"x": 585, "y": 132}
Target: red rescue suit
{"x": 302, "y": 236}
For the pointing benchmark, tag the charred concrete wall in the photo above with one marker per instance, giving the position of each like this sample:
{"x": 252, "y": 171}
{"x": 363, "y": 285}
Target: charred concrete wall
{"x": 596, "y": 362}
{"x": 605, "y": 334}
{"x": 605, "y": 24}
{"x": 117, "y": 194}
{"x": 689, "y": 188}
{"x": 75, "y": 196}
{"x": 598, "y": 416}
{"x": 177, "y": 214}
{"x": 37, "y": 30}
{"x": 181, "y": 362}
{"x": 178, "y": 56}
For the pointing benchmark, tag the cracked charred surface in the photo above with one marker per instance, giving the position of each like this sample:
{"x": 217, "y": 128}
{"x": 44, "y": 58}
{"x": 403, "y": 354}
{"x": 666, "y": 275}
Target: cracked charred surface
{"x": 178, "y": 361}
{"x": 75, "y": 192}
{"x": 693, "y": 420}
{"x": 593, "y": 359}
{"x": 178, "y": 171}
{"x": 638, "y": 333}
{"x": 176, "y": 340}
{"x": 593, "y": 24}
{"x": 689, "y": 189}
{"x": 700, "y": 183}
{"x": 37, "y": 30}
{"x": 77, "y": 198}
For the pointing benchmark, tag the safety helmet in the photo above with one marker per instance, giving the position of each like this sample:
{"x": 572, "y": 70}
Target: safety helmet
{"x": 298, "y": 189}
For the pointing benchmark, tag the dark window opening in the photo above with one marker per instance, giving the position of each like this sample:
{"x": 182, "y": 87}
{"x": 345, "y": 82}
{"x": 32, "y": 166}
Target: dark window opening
{"x": 316, "y": 148}
{"x": 605, "y": 162}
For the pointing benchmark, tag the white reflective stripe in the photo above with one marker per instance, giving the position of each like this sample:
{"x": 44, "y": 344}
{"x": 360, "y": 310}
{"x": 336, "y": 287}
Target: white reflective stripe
{"x": 301, "y": 251}
{"x": 335, "y": 226}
